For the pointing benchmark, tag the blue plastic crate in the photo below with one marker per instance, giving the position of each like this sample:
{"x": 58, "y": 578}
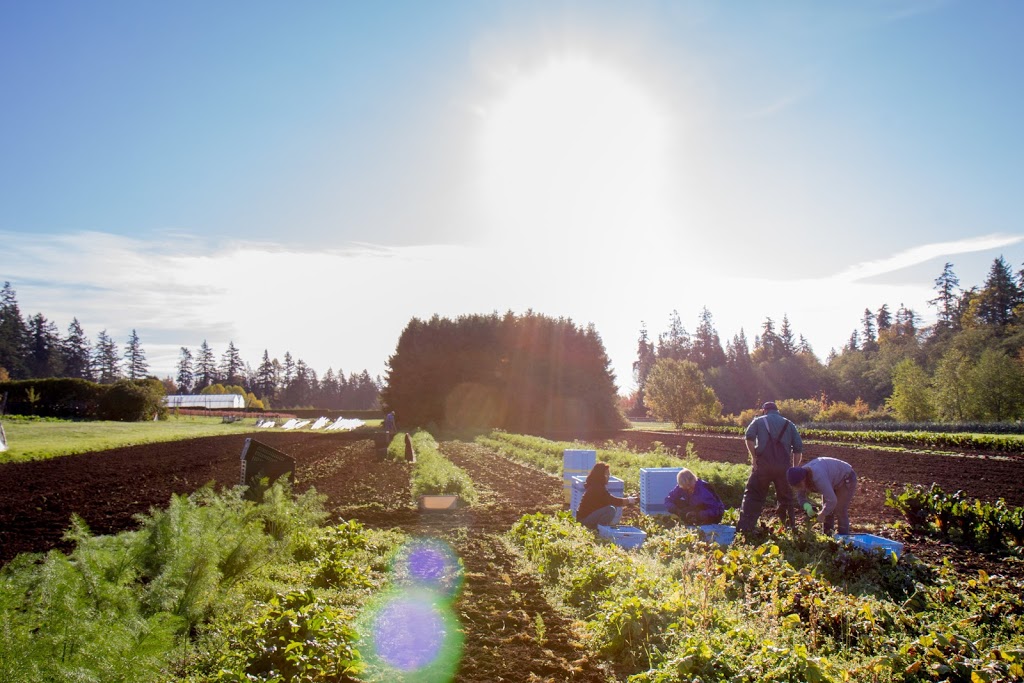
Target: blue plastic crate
{"x": 575, "y": 463}
{"x": 655, "y": 484}
{"x": 722, "y": 534}
{"x": 871, "y": 542}
{"x": 616, "y": 487}
{"x": 623, "y": 536}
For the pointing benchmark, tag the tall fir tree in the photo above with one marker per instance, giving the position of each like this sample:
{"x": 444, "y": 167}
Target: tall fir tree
{"x": 13, "y": 335}
{"x": 135, "y": 358}
{"x": 106, "y": 359}
{"x": 186, "y": 377}
{"x": 77, "y": 352}
{"x": 45, "y": 358}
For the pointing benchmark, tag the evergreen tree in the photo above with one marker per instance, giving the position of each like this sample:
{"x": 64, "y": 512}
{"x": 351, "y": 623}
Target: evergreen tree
{"x": 870, "y": 339}
{"x": 206, "y": 368}
{"x": 186, "y": 376}
{"x": 707, "y": 350}
{"x": 14, "y": 337}
{"x": 77, "y": 352}
{"x": 266, "y": 378}
{"x": 106, "y": 359}
{"x": 883, "y": 320}
{"x": 135, "y": 358}
{"x": 44, "y": 349}
{"x": 231, "y": 365}
{"x": 945, "y": 301}
{"x": 645, "y": 357}
{"x": 999, "y": 296}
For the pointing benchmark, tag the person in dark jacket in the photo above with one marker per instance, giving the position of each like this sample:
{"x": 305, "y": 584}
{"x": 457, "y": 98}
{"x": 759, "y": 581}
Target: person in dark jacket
{"x": 693, "y": 500}
{"x": 598, "y": 506}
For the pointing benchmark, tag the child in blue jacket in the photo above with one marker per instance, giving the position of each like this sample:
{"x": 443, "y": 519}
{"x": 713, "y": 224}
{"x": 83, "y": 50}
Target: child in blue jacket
{"x": 693, "y": 500}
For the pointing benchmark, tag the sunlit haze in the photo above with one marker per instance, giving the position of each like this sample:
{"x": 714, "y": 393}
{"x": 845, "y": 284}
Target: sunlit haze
{"x": 308, "y": 180}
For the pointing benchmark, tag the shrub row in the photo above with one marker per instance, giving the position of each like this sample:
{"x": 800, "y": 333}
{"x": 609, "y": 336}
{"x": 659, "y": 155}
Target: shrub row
{"x": 125, "y": 400}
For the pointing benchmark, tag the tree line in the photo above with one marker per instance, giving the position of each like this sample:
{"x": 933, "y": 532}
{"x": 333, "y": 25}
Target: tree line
{"x": 967, "y": 366}
{"x": 32, "y": 347}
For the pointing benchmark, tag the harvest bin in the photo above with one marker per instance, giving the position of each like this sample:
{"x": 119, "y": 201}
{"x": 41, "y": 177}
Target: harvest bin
{"x": 260, "y": 461}
{"x": 871, "y": 542}
{"x": 616, "y": 487}
{"x": 623, "y": 536}
{"x": 655, "y": 484}
{"x": 575, "y": 463}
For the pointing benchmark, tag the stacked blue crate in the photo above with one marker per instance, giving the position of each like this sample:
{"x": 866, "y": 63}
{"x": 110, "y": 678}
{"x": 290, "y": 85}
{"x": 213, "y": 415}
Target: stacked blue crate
{"x": 575, "y": 463}
{"x": 616, "y": 487}
{"x": 655, "y": 484}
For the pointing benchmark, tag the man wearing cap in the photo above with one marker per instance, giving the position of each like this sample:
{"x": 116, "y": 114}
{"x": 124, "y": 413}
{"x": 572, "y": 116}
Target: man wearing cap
{"x": 774, "y": 445}
{"x": 835, "y": 480}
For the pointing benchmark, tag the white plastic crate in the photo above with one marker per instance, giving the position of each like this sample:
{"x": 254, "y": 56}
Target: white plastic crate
{"x": 871, "y": 542}
{"x": 623, "y": 536}
{"x": 722, "y": 534}
{"x": 616, "y": 487}
{"x": 655, "y": 484}
{"x": 575, "y": 463}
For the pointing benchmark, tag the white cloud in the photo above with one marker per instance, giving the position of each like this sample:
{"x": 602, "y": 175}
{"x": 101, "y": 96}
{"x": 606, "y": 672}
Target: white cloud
{"x": 922, "y": 254}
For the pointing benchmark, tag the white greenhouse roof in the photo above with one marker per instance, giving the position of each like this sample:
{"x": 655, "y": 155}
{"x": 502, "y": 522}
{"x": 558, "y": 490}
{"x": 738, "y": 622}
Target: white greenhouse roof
{"x": 211, "y": 401}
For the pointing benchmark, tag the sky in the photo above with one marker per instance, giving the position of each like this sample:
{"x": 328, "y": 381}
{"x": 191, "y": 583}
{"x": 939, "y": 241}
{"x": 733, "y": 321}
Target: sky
{"x": 308, "y": 177}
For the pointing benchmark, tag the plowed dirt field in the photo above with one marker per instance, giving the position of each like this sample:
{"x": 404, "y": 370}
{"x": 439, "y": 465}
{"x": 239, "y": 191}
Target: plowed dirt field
{"x": 500, "y": 603}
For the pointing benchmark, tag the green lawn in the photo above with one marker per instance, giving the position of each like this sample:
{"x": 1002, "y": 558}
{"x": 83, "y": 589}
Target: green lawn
{"x": 42, "y": 439}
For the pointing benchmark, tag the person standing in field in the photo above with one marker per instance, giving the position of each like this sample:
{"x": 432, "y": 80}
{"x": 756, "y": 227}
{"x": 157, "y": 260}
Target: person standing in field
{"x": 389, "y": 422}
{"x": 598, "y": 506}
{"x": 835, "y": 480}
{"x": 774, "y": 445}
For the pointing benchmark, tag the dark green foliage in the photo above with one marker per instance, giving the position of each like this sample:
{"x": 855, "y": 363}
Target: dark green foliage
{"x": 128, "y": 401}
{"x": 66, "y": 398}
{"x": 521, "y": 373}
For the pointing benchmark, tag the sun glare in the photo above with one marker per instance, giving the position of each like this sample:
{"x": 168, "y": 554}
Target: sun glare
{"x": 575, "y": 154}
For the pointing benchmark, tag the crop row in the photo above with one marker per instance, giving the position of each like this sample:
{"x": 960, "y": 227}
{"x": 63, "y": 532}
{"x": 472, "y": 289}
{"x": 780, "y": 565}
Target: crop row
{"x": 954, "y": 515}
{"x": 794, "y": 608}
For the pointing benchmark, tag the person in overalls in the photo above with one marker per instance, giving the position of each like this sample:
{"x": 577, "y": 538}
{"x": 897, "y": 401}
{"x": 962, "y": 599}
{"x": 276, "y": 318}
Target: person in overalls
{"x": 774, "y": 445}
{"x": 835, "y": 480}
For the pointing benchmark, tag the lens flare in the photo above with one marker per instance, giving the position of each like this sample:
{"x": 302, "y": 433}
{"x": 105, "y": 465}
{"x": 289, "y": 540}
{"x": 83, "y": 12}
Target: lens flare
{"x": 411, "y": 636}
{"x": 429, "y": 564}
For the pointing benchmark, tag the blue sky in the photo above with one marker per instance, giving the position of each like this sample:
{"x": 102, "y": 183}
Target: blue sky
{"x": 307, "y": 177}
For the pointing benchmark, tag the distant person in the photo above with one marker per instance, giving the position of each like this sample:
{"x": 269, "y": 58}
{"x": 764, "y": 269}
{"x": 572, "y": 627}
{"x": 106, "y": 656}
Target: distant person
{"x": 774, "y": 445}
{"x": 835, "y": 480}
{"x": 389, "y": 423}
{"x": 694, "y": 501}
{"x": 598, "y": 506}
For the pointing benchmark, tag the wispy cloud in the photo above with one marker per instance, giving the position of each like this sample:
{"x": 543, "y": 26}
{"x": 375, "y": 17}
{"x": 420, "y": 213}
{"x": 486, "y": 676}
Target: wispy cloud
{"x": 922, "y": 254}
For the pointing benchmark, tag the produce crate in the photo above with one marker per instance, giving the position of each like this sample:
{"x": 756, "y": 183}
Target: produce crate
{"x": 722, "y": 534}
{"x": 655, "y": 484}
{"x": 616, "y": 487}
{"x": 575, "y": 463}
{"x": 623, "y": 536}
{"x": 871, "y": 542}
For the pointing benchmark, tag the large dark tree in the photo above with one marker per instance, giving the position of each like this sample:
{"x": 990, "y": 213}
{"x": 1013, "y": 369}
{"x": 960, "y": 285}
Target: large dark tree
{"x": 206, "y": 368}
{"x": 528, "y": 373}
{"x": 232, "y": 365}
{"x": 645, "y": 358}
{"x": 999, "y": 296}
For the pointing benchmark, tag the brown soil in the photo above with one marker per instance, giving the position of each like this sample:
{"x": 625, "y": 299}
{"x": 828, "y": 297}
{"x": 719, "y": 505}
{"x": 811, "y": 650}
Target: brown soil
{"x": 512, "y": 632}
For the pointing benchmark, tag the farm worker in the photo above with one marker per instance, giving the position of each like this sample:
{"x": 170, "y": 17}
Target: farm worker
{"x": 597, "y": 506}
{"x": 389, "y": 422}
{"x": 774, "y": 445}
{"x": 835, "y": 480}
{"x": 693, "y": 500}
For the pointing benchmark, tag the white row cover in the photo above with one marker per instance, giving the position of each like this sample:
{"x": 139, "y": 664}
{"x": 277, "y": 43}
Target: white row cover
{"x": 341, "y": 424}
